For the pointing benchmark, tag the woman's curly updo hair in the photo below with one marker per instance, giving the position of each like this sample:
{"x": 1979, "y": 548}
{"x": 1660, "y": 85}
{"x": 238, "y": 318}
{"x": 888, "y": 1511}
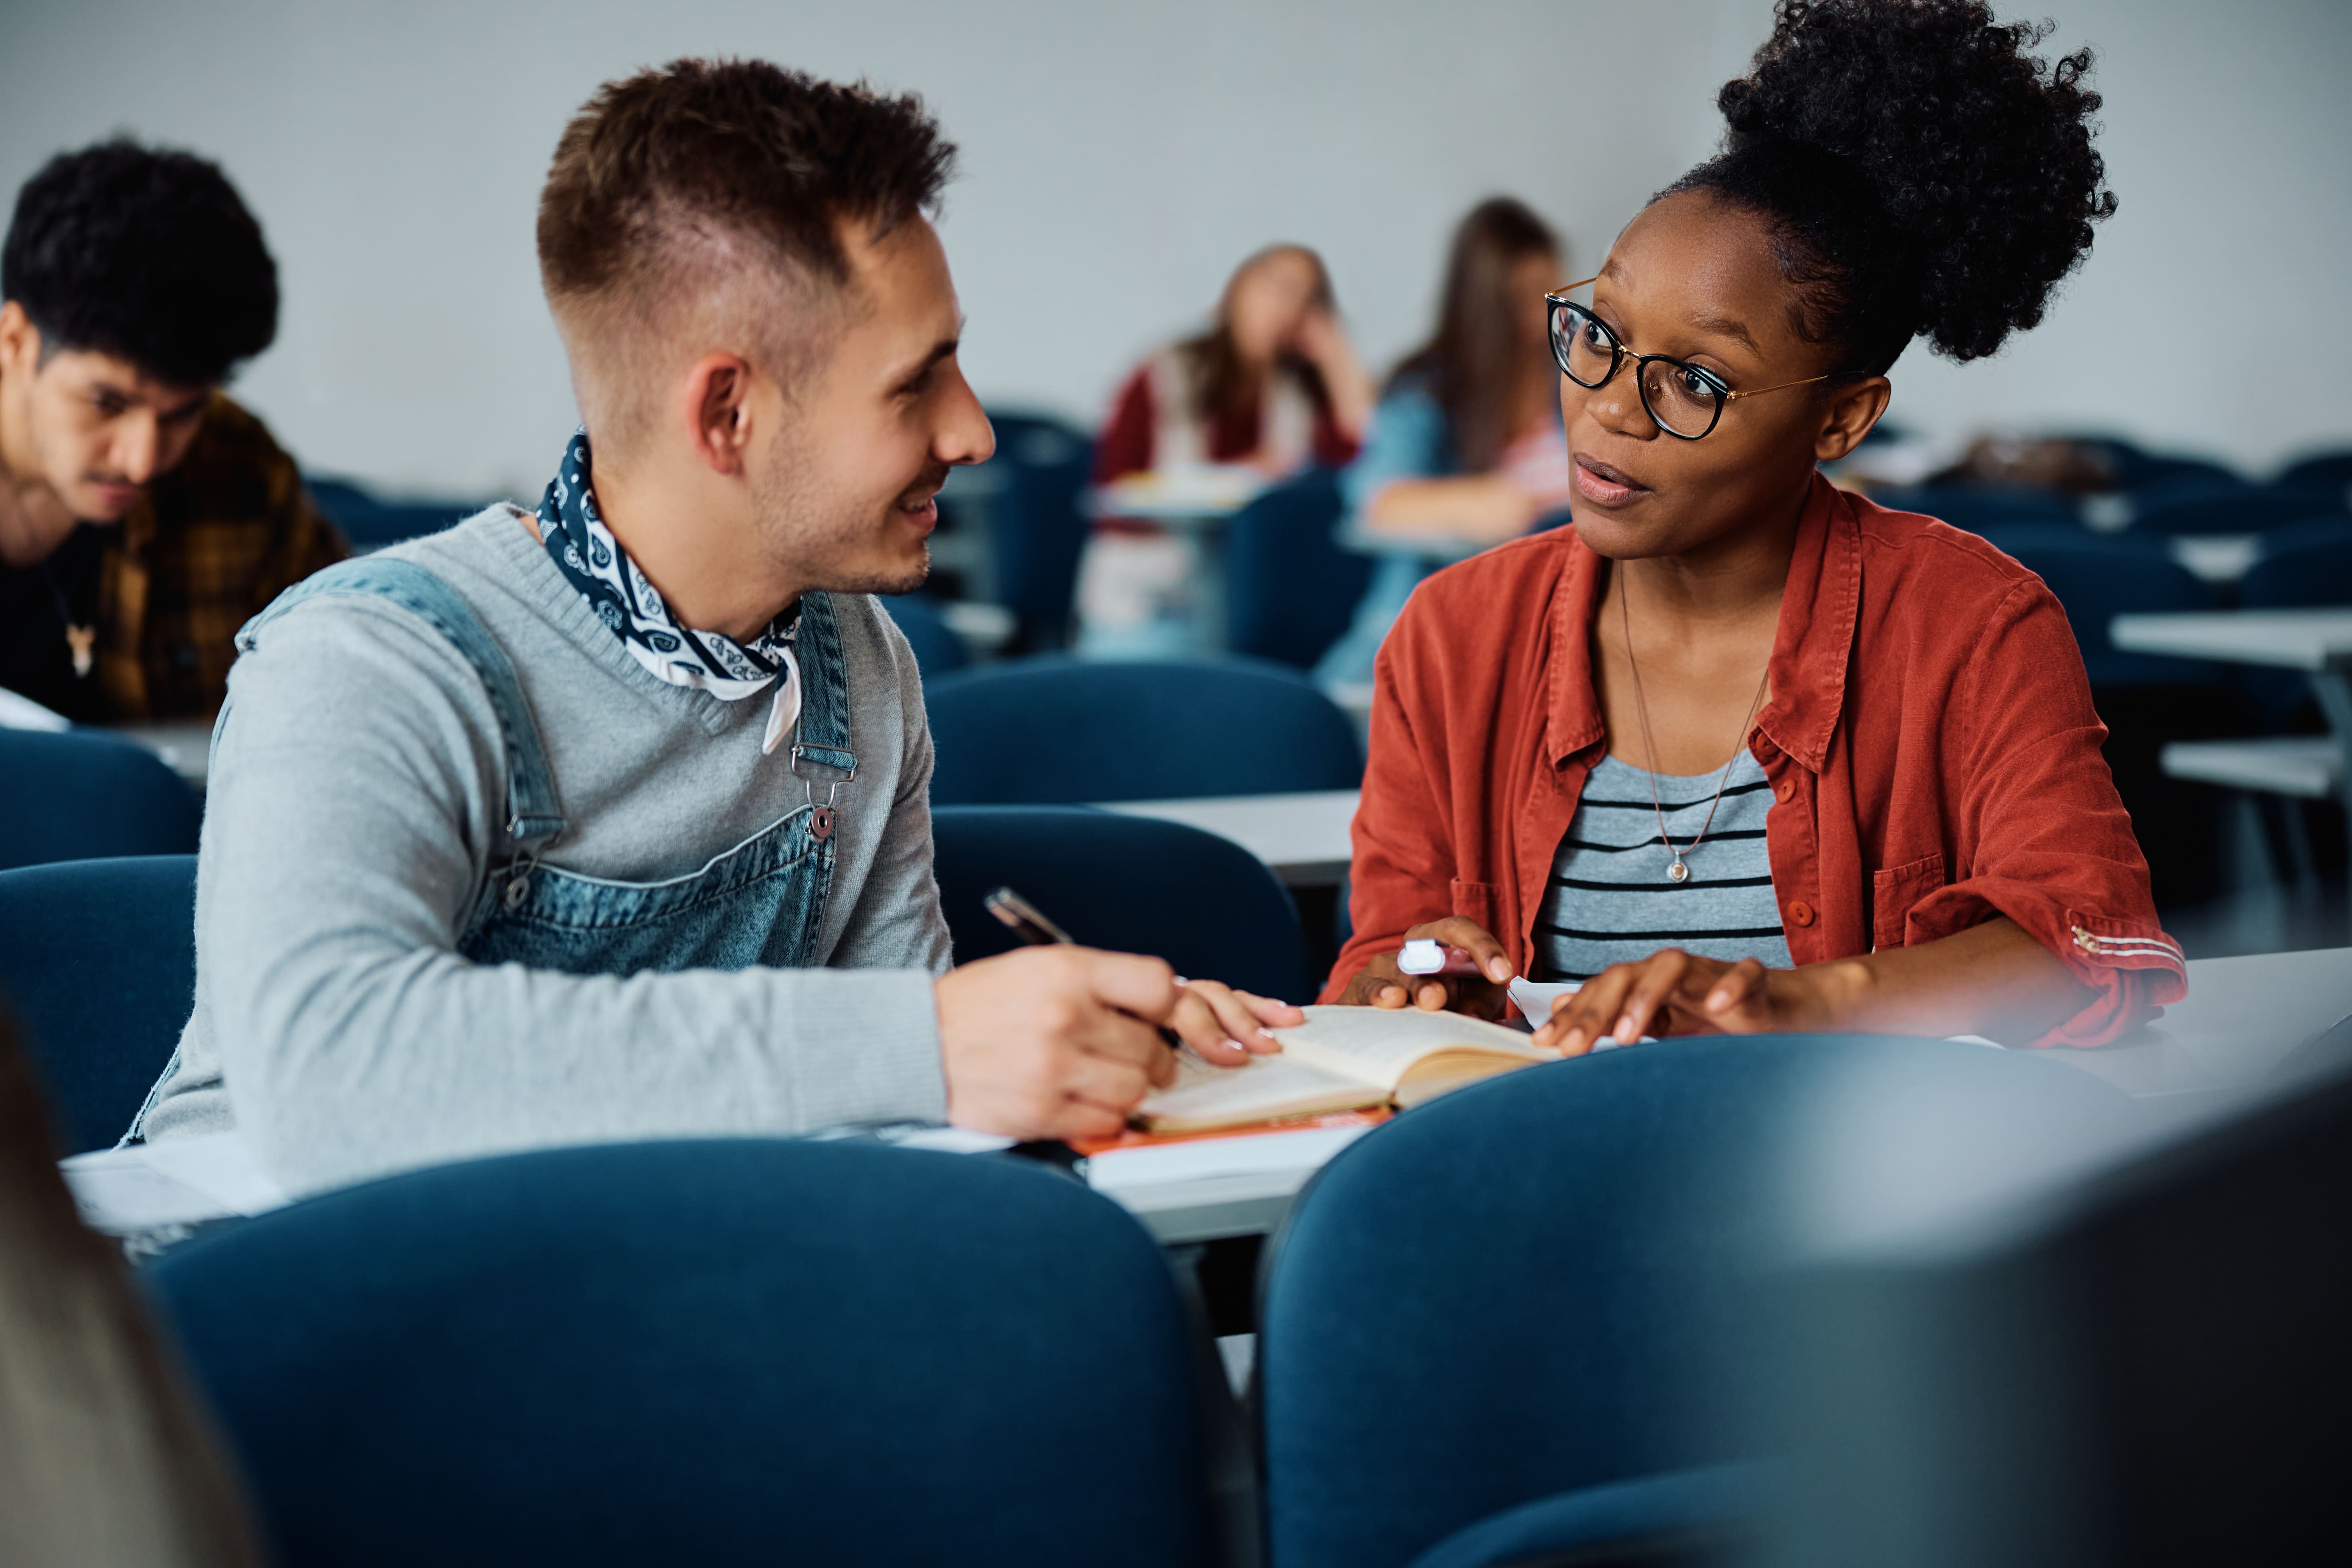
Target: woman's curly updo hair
{"x": 1923, "y": 172}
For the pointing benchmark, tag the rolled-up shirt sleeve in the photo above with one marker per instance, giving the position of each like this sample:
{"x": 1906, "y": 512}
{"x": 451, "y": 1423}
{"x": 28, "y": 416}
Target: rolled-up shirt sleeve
{"x": 2047, "y": 840}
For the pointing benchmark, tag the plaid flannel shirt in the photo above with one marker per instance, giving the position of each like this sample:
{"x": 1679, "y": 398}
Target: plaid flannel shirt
{"x": 204, "y": 550}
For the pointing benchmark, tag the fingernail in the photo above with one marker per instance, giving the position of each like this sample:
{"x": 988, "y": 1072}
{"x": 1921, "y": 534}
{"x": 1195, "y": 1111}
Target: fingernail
{"x": 1264, "y": 1033}
{"x": 1717, "y": 1001}
{"x": 1237, "y": 1045}
{"x": 1500, "y": 969}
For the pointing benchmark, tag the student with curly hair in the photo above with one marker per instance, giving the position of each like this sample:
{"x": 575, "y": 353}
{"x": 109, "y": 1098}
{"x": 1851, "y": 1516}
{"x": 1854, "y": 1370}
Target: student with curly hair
{"x": 1737, "y": 750}
{"x": 143, "y": 516}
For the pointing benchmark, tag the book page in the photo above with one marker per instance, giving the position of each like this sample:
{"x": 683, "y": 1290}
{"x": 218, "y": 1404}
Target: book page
{"x": 1380, "y": 1045}
{"x": 1260, "y": 1089}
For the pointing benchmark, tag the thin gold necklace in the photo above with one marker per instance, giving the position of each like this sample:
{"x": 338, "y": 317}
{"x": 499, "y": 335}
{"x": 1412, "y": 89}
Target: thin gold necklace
{"x": 1676, "y": 871}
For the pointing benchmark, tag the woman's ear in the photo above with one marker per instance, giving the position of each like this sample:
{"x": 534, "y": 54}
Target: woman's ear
{"x": 1854, "y": 407}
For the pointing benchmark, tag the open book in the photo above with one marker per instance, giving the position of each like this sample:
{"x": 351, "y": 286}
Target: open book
{"x": 1341, "y": 1058}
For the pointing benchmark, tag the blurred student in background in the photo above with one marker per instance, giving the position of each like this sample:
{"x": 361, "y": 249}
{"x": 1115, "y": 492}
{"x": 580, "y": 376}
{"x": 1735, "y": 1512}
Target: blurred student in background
{"x": 1466, "y": 444}
{"x": 1274, "y": 385}
{"x": 143, "y": 516}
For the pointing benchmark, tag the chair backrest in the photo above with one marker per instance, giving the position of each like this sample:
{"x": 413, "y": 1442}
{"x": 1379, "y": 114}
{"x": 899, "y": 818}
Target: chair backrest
{"x": 2249, "y": 509}
{"x": 726, "y": 1351}
{"x": 2320, "y": 471}
{"x": 1128, "y": 883}
{"x": 1049, "y": 731}
{"x": 938, "y": 650}
{"x": 370, "y": 523}
{"x": 1037, "y": 530}
{"x": 2314, "y": 570}
{"x": 99, "y": 959}
{"x": 79, "y": 795}
{"x": 1290, "y": 590}
{"x": 2096, "y": 582}
{"x": 1979, "y": 507}
{"x": 1554, "y": 1279}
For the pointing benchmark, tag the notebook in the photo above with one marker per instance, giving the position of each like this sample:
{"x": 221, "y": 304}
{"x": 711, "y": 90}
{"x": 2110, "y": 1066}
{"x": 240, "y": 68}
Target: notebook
{"x": 1341, "y": 1058}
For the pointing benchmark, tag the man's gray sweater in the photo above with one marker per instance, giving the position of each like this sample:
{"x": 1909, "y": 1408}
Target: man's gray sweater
{"x": 355, "y": 802}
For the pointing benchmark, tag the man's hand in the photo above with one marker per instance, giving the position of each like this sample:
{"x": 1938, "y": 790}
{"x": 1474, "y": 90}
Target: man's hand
{"x": 1676, "y": 992}
{"x": 1053, "y": 1042}
{"x": 1381, "y": 984}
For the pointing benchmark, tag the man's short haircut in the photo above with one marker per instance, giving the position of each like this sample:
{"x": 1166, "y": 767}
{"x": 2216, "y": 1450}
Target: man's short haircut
{"x": 689, "y": 195}
{"x": 144, "y": 253}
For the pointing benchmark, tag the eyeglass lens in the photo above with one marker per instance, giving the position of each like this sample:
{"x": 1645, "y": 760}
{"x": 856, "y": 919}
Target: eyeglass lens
{"x": 1680, "y": 399}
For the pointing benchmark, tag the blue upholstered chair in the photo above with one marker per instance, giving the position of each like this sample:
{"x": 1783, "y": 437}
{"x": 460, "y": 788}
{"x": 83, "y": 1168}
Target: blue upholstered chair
{"x": 2247, "y": 508}
{"x": 2299, "y": 568}
{"x": 2096, "y": 582}
{"x": 1527, "y": 1317}
{"x": 1290, "y": 590}
{"x": 1056, "y": 732}
{"x": 2320, "y": 471}
{"x": 938, "y": 650}
{"x": 98, "y": 960}
{"x": 1132, "y": 884}
{"x": 1036, "y": 531}
{"x": 79, "y": 795}
{"x": 370, "y": 522}
{"x": 712, "y": 1351}
{"x": 1977, "y": 507}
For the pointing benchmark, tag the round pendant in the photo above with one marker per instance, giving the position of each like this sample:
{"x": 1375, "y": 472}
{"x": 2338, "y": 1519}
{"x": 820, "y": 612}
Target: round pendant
{"x": 1677, "y": 872}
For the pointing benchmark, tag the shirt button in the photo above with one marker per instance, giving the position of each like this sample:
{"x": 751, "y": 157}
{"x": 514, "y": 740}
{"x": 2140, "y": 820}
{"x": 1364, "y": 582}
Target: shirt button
{"x": 1785, "y": 789}
{"x": 1802, "y": 912}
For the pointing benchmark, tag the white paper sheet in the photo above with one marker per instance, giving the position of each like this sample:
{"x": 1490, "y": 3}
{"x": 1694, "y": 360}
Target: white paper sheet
{"x": 1156, "y": 1165}
{"x": 184, "y": 1181}
{"x": 23, "y": 713}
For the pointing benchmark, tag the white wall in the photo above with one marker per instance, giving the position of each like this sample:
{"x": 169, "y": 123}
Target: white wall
{"x": 1118, "y": 158}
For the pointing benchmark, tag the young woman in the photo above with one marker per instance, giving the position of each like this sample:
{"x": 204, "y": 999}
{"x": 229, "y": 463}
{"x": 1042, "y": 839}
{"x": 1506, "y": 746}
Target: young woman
{"x": 1274, "y": 385}
{"x": 1466, "y": 444}
{"x": 1738, "y": 750}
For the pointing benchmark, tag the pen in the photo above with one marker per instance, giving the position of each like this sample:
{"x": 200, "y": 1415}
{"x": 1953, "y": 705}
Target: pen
{"x": 1029, "y": 924}
{"x": 1027, "y": 921}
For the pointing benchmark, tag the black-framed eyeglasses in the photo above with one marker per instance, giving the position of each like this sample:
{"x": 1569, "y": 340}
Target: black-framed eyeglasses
{"x": 1683, "y": 400}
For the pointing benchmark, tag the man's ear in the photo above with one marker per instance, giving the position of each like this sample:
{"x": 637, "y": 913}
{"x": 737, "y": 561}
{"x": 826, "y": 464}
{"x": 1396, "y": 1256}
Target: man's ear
{"x": 1855, "y": 407}
{"x": 718, "y": 394}
{"x": 20, "y": 341}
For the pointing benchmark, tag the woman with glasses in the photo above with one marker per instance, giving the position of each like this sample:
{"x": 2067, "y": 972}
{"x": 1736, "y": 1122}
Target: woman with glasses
{"x": 1465, "y": 447}
{"x": 1740, "y": 750}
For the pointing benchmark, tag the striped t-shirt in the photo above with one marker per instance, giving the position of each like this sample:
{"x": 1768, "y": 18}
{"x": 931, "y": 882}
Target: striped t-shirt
{"x": 1610, "y": 900}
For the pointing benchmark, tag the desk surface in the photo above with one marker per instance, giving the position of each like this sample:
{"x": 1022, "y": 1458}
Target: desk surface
{"x": 2299, "y": 639}
{"x": 185, "y": 745}
{"x": 1303, "y": 836}
{"x": 2242, "y": 1017}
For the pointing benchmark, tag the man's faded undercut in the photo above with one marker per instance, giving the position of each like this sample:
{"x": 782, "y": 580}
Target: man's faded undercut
{"x": 703, "y": 204}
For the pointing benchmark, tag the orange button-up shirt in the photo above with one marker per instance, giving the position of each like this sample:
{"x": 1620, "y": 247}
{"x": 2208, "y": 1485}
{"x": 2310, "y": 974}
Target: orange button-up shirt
{"x": 1932, "y": 749}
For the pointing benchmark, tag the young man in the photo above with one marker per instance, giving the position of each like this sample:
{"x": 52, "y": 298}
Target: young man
{"x": 611, "y": 821}
{"x": 143, "y": 516}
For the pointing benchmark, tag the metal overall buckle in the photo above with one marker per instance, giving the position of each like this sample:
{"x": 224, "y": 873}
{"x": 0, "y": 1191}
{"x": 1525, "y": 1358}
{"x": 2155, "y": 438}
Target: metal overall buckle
{"x": 812, "y": 770}
{"x": 519, "y": 870}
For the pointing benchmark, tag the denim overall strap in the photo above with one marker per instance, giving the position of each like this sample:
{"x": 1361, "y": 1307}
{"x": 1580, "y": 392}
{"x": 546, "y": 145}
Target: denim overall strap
{"x": 821, "y": 749}
{"x": 533, "y": 818}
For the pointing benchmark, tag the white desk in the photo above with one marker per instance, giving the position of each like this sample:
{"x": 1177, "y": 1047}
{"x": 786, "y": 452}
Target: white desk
{"x": 2317, "y": 642}
{"x": 2241, "y": 1017}
{"x": 184, "y": 743}
{"x": 1302, "y": 837}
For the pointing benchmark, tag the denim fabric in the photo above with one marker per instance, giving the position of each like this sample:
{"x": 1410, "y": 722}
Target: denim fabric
{"x": 758, "y": 903}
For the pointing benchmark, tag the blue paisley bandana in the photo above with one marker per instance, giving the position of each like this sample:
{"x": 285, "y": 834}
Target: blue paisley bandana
{"x": 593, "y": 563}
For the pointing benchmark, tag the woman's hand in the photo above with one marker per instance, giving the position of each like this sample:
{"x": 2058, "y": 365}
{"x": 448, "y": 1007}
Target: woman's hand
{"x": 1381, "y": 983}
{"x": 1676, "y": 992}
{"x": 1323, "y": 343}
{"x": 1227, "y": 1026}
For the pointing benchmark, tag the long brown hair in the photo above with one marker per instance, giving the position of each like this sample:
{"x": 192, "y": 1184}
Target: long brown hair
{"x": 1220, "y": 381}
{"x": 1470, "y": 366}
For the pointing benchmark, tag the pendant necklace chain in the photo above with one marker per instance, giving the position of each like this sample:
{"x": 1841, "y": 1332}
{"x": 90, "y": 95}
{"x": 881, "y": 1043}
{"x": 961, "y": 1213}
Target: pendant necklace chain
{"x": 1677, "y": 871}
